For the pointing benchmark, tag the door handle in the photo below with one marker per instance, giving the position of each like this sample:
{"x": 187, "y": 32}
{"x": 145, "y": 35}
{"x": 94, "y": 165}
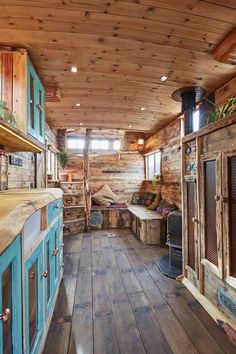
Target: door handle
{"x": 55, "y": 252}
{"x": 32, "y": 275}
{"x": 5, "y": 316}
{"x": 217, "y": 198}
{"x": 45, "y": 274}
{"x": 223, "y": 199}
{"x": 194, "y": 220}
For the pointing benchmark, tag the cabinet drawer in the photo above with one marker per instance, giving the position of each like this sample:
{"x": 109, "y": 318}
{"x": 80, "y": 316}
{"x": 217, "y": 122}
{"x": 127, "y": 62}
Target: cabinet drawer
{"x": 54, "y": 209}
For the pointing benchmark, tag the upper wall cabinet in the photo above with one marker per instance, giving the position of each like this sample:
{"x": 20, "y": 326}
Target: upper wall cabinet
{"x": 21, "y": 102}
{"x": 35, "y": 104}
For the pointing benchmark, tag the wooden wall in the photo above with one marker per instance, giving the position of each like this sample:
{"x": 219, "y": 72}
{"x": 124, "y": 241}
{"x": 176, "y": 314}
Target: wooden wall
{"x": 168, "y": 141}
{"x": 123, "y": 172}
{"x": 12, "y": 176}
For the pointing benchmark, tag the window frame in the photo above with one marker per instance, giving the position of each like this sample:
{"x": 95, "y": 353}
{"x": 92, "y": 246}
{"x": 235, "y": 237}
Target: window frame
{"x": 156, "y": 173}
{"x": 52, "y": 167}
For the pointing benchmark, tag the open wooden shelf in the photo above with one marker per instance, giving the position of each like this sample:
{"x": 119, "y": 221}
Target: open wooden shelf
{"x": 14, "y": 140}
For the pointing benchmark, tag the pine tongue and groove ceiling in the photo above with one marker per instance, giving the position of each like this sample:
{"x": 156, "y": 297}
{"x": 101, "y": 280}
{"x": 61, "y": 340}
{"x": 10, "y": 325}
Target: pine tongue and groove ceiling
{"x": 121, "y": 49}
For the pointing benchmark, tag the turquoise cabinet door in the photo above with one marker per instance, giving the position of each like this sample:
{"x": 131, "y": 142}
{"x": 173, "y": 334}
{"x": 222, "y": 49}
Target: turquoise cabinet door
{"x": 31, "y": 100}
{"x": 48, "y": 274}
{"x": 34, "y": 301}
{"x": 11, "y": 300}
{"x": 35, "y": 104}
{"x": 56, "y": 255}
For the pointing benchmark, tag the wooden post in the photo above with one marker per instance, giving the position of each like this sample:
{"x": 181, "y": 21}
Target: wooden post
{"x": 87, "y": 193}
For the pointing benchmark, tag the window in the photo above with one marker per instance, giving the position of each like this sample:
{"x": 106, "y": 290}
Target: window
{"x": 75, "y": 143}
{"x": 117, "y": 145}
{"x": 196, "y": 121}
{"x": 100, "y": 144}
{"x": 52, "y": 164}
{"x": 153, "y": 165}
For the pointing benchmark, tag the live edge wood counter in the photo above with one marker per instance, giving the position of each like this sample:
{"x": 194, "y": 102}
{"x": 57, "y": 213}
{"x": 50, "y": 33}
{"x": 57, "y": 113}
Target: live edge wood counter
{"x": 16, "y": 206}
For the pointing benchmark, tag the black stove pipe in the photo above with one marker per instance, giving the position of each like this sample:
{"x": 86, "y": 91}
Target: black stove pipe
{"x": 188, "y": 108}
{"x": 188, "y": 96}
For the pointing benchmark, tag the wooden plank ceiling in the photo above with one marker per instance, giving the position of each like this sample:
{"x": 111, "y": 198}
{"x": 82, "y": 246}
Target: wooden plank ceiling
{"x": 121, "y": 49}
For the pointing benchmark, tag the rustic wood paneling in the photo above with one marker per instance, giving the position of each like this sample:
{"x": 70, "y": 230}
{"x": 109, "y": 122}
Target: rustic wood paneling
{"x": 168, "y": 141}
{"x": 121, "y": 48}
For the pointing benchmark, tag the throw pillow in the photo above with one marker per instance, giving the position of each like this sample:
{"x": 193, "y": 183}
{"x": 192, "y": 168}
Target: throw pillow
{"x": 160, "y": 207}
{"x": 104, "y": 196}
{"x": 136, "y": 199}
{"x": 155, "y": 202}
{"x": 150, "y": 198}
{"x": 143, "y": 198}
{"x": 167, "y": 209}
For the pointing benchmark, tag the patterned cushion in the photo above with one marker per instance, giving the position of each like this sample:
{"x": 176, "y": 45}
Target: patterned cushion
{"x": 160, "y": 207}
{"x": 155, "y": 202}
{"x": 143, "y": 198}
{"x": 150, "y": 198}
{"x": 167, "y": 209}
{"x": 136, "y": 199}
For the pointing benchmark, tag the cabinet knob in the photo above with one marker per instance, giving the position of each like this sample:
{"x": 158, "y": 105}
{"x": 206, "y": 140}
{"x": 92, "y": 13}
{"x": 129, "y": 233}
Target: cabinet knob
{"x": 56, "y": 206}
{"x": 55, "y": 252}
{"x": 194, "y": 220}
{"x": 32, "y": 275}
{"x": 217, "y": 198}
{"x": 45, "y": 274}
{"x": 4, "y": 317}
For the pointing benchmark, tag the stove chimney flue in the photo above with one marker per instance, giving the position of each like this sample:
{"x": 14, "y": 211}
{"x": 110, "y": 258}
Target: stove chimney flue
{"x": 188, "y": 96}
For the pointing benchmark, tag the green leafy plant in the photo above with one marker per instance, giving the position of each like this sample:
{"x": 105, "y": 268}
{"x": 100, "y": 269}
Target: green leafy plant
{"x": 156, "y": 180}
{"x": 228, "y": 109}
{"x": 62, "y": 159}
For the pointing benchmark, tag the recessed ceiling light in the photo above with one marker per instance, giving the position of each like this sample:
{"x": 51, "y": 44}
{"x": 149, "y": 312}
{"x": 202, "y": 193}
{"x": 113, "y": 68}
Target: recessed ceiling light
{"x": 130, "y": 126}
{"x": 81, "y": 123}
{"x": 142, "y": 108}
{"x": 163, "y": 78}
{"x": 74, "y": 69}
{"x": 77, "y": 104}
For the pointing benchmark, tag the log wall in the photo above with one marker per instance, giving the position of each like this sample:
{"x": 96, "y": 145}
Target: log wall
{"x": 168, "y": 141}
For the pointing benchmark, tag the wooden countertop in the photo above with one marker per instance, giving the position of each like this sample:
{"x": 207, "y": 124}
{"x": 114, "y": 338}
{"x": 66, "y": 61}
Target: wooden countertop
{"x": 17, "y": 205}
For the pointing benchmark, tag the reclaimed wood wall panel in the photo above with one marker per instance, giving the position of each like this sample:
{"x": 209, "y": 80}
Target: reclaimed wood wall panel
{"x": 124, "y": 176}
{"x": 168, "y": 141}
{"x": 13, "y": 78}
{"x": 121, "y": 48}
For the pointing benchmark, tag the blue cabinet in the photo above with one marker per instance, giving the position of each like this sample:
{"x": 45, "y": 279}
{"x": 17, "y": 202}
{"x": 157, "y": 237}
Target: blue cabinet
{"x": 35, "y": 105}
{"x": 54, "y": 209}
{"x": 48, "y": 272}
{"x": 11, "y": 300}
{"x": 34, "y": 301}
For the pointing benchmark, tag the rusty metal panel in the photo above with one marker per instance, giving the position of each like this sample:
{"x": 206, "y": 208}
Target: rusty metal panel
{"x": 210, "y": 212}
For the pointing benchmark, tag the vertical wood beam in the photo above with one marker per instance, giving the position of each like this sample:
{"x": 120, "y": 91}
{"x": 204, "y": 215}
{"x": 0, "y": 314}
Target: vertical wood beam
{"x": 87, "y": 193}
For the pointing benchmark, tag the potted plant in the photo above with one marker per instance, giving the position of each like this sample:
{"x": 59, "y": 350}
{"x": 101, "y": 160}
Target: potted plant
{"x": 62, "y": 159}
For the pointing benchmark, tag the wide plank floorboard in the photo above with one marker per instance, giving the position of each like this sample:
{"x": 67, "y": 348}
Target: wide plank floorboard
{"x": 114, "y": 300}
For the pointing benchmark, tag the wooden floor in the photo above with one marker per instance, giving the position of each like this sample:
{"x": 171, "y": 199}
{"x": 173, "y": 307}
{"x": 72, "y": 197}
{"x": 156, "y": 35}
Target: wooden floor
{"x": 113, "y": 299}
